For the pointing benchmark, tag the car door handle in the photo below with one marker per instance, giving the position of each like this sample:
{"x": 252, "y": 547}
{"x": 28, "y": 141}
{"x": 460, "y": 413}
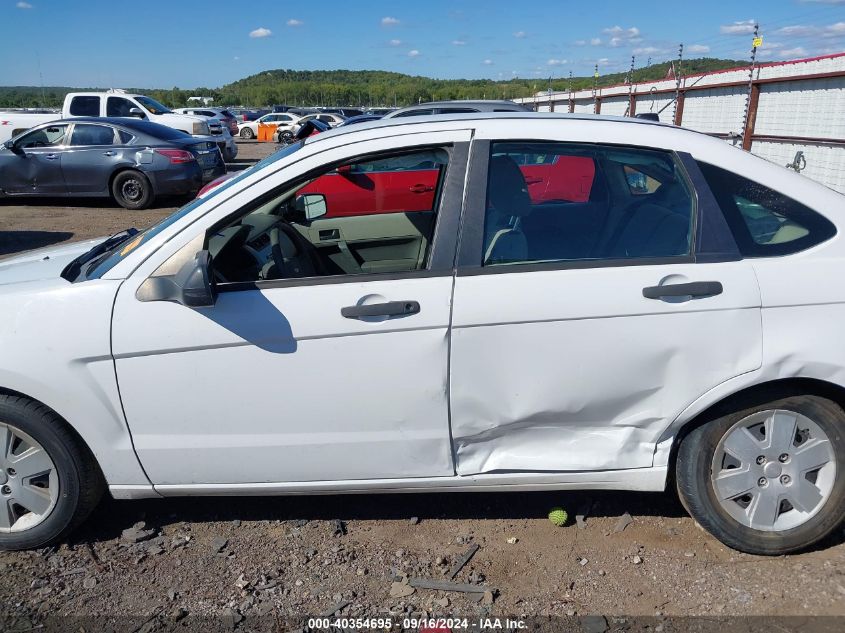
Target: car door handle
{"x": 691, "y": 289}
{"x": 420, "y": 188}
{"x": 389, "y": 309}
{"x": 51, "y": 156}
{"x": 533, "y": 181}
{"x": 109, "y": 153}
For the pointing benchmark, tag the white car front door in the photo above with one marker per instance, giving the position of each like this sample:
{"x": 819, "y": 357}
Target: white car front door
{"x": 318, "y": 378}
{"x": 587, "y": 318}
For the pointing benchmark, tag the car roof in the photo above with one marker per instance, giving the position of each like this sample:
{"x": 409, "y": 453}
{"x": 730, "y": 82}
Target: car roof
{"x": 480, "y": 104}
{"x": 426, "y": 120}
{"x": 138, "y": 125}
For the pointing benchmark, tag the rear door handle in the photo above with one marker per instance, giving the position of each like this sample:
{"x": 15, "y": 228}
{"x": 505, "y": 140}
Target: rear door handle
{"x": 691, "y": 289}
{"x": 109, "y": 153}
{"x": 389, "y": 309}
{"x": 420, "y": 188}
{"x": 51, "y": 156}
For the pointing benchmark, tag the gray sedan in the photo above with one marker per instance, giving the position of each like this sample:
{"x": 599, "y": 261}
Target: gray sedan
{"x": 132, "y": 161}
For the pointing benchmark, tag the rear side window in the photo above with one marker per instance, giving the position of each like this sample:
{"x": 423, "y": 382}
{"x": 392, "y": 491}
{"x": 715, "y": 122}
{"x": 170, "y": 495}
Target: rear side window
{"x": 84, "y": 134}
{"x": 765, "y": 222}
{"x": 85, "y": 106}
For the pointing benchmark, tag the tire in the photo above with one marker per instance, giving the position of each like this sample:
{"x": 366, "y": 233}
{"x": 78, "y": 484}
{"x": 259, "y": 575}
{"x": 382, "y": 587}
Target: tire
{"x": 132, "y": 190}
{"x": 747, "y": 503}
{"x": 247, "y": 134}
{"x": 285, "y": 137}
{"x": 77, "y": 479}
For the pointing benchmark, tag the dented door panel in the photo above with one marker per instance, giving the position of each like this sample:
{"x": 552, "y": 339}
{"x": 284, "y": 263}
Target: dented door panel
{"x": 575, "y": 369}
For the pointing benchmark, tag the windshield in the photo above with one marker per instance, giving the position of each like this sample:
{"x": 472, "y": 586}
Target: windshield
{"x": 110, "y": 258}
{"x": 152, "y": 105}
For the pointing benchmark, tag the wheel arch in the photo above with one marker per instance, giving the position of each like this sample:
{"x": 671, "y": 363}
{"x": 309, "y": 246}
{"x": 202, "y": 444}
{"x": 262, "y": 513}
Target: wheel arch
{"x": 752, "y": 395}
{"x": 4, "y": 391}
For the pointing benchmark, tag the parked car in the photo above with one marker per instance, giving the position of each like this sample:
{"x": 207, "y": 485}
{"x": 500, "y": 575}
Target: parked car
{"x": 662, "y": 330}
{"x": 226, "y": 118}
{"x": 282, "y": 121}
{"x": 457, "y": 107}
{"x": 132, "y": 161}
{"x": 344, "y": 112}
{"x": 379, "y": 111}
{"x": 362, "y": 118}
{"x": 328, "y": 118}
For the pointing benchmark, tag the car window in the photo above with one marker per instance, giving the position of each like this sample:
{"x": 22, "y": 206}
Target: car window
{"x": 456, "y": 110}
{"x": 125, "y": 137}
{"x": 45, "y": 137}
{"x": 85, "y": 106}
{"x": 355, "y": 220}
{"x": 765, "y": 222}
{"x": 640, "y": 183}
{"x": 549, "y": 202}
{"x": 85, "y": 134}
{"x": 118, "y": 107}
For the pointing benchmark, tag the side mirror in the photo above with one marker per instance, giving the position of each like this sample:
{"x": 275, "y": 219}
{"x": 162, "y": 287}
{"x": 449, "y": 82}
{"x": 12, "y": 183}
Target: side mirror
{"x": 137, "y": 112}
{"x": 192, "y": 286}
{"x": 344, "y": 170}
{"x": 310, "y": 206}
{"x": 12, "y": 147}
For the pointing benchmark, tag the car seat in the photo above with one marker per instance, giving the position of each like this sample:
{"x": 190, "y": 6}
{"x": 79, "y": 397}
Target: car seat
{"x": 507, "y": 203}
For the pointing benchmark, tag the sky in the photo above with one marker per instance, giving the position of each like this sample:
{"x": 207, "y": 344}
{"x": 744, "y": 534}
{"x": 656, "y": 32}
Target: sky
{"x": 109, "y": 43}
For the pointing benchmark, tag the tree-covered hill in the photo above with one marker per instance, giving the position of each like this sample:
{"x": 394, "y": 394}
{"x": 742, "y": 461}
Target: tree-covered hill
{"x": 357, "y": 87}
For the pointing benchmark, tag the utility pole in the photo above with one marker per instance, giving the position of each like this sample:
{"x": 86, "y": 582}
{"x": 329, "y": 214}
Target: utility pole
{"x": 631, "y": 86}
{"x": 595, "y": 90}
{"x": 678, "y": 83}
{"x": 753, "y": 95}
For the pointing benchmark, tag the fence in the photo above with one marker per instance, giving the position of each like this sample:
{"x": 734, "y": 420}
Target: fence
{"x": 794, "y": 106}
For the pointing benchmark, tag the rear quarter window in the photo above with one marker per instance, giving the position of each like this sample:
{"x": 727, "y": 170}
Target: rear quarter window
{"x": 85, "y": 106}
{"x": 765, "y": 222}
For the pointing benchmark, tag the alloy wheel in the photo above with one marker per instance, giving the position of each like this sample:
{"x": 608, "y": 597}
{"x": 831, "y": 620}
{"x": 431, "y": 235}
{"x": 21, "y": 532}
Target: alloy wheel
{"x": 29, "y": 484}
{"x": 773, "y": 470}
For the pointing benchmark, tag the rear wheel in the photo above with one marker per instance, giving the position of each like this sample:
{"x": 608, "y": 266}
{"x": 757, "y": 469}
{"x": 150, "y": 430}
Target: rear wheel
{"x": 132, "y": 190}
{"x": 285, "y": 137}
{"x": 769, "y": 479}
{"x": 247, "y": 134}
{"x": 49, "y": 482}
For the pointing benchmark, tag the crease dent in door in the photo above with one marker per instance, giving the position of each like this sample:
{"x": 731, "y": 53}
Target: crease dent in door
{"x": 571, "y": 420}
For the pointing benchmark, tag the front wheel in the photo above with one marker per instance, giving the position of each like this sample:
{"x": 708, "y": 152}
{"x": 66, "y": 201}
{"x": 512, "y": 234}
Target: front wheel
{"x": 247, "y": 134}
{"x": 286, "y": 137}
{"x": 132, "y": 190}
{"x": 769, "y": 479}
{"x": 49, "y": 482}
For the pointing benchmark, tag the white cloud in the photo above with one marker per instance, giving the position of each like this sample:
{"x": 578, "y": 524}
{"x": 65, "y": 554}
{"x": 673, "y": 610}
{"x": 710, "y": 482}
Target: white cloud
{"x": 295, "y": 22}
{"x": 395, "y": 42}
{"x": 414, "y": 53}
{"x": 236, "y": 58}
{"x": 580, "y": 42}
{"x": 604, "y": 61}
{"x": 389, "y": 21}
{"x": 556, "y": 62}
{"x": 621, "y": 37}
{"x": 24, "y": 5}
{"x": 596, "y": 41}
{"x": 458, "y": 43}
{"x": 835, "y": 30}
{"x": 260, "y": 32}
{"x": 697, "y": 48}
{"x": 798, "y": 51}
{"x": 744, "y": 27}
{"x": 487, "y": 62}
{"x": 520, "y": 34}
{"x": 797, "y": 30}
{"x": 648, "y": 50}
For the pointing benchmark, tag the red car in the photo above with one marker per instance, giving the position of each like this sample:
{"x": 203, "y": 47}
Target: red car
{"x": 363, "y": 188}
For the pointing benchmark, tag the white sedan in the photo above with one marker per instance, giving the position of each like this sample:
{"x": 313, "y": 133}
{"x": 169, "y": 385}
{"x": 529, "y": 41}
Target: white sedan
{"x": 439, "y": 305}
{"x": 282, "y": 121}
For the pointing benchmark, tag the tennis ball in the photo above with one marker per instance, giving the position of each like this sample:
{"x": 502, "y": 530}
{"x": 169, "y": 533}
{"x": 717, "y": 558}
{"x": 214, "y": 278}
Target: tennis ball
{"x": 558, "y": 516}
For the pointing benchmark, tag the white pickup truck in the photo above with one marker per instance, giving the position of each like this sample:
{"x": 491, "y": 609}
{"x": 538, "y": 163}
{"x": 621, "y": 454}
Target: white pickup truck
{"x": 116, "y": 103}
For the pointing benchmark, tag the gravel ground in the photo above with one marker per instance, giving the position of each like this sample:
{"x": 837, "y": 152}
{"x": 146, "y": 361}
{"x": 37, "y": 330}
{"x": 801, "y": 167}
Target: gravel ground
{"x": 361, "y": 555}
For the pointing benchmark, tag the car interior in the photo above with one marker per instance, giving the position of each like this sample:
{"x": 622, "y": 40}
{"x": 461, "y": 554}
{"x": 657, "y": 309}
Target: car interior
{"x": 638, "y": 205}
{"x": 351, "y": 219}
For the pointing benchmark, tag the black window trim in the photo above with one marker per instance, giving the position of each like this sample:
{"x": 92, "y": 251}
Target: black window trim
{"x": 709, "y": 227}
{"x": 443, "y": 242}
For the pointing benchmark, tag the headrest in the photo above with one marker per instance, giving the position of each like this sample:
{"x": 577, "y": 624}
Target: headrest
{"x": 507, "y": 192}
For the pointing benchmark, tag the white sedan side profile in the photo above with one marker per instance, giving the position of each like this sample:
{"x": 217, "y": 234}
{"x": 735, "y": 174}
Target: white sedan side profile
{"x": 507, "y": 301}
{"x": 282, "y": 120}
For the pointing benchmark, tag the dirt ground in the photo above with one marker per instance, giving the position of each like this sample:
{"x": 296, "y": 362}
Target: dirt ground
{"x": 360, "y": 555}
